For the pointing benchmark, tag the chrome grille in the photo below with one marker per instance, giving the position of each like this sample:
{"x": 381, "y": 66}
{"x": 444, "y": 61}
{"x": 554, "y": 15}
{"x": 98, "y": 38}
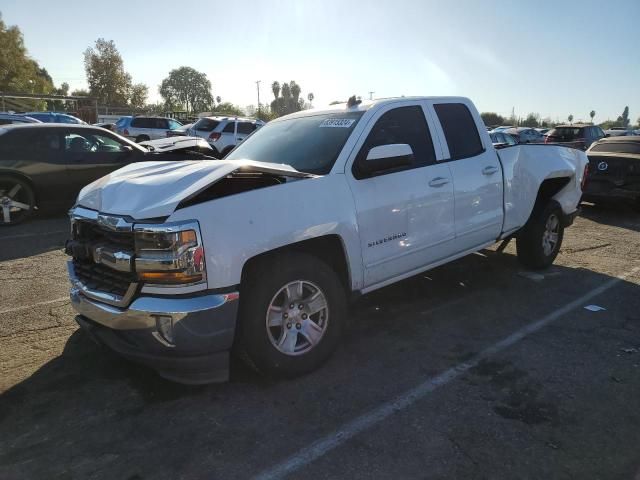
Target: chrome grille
{"x": 98, "y": 277}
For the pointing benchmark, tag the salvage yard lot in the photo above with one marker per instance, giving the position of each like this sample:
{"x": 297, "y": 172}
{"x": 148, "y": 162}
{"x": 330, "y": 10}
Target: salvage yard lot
{"x": 557, "y": 400}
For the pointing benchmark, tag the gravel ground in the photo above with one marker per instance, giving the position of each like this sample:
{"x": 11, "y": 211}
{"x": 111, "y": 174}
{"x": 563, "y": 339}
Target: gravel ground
{"x": 556, "y": 401}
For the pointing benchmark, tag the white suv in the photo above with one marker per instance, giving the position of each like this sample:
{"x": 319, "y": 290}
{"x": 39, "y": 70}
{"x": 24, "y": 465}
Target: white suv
{"x": 224, "y": 133}
{"x": 142, "y": 129}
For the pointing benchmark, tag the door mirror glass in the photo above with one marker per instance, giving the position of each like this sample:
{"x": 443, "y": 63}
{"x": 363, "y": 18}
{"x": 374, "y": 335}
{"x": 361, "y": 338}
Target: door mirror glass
{"x": 387, "y": 157}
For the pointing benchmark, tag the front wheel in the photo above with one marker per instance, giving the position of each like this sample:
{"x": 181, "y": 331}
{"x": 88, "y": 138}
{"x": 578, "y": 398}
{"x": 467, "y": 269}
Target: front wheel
{"x": 291, "y": 314}
{"x": 17, "y": 201}
{"x": 538, "y": 243}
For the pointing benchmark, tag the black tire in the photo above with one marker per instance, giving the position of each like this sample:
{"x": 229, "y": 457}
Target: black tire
{"x": 530, "y": 240}
{"x": 14, "y": 189}
{"x": 142, "y": 138}
{"x": 225, "y": 152}
{"x": 264, "y": 281}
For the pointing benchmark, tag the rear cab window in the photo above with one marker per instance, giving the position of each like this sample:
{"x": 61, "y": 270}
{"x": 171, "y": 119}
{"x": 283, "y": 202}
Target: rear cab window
{"x": 460, "y": 130}
{"x": 617, "y": 147}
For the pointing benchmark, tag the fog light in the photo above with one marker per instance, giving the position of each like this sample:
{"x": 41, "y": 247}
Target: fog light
{"x": 164, "y": 324}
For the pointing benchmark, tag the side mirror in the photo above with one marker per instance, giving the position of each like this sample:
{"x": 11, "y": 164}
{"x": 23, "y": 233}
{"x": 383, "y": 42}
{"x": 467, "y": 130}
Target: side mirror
{"x": 387, "y": 157}
{"x": 607, "y": 135}
{"x": 126, "y": 148}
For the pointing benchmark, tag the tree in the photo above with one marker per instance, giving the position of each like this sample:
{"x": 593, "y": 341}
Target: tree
{"x": 188, "y": 88}
{"x": 229, "y": 108}
{"x": 18, "y": 72}
{"x": 81, "y": 92}
{"x": 623, "y": 119}
{"x": 290, "y": 100}
{"x": 532, "y": 121}
{"x": 107, "y": 79}
{"x": 492, "y": 118}
{"x": 138, "y": 96}
{"x": 592, "y": 114}
{"x": 570, "y": 118}
{"x": 310, "y": 97}
{"x": 218, "y": 99}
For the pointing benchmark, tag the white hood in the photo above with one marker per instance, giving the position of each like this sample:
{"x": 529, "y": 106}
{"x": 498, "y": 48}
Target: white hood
{"x": 147, "y": 190}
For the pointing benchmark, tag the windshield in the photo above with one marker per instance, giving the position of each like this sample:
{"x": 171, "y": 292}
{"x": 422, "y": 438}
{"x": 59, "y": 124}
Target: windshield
{"x": 309, "y": 144}
{"x": 617, "y": 147}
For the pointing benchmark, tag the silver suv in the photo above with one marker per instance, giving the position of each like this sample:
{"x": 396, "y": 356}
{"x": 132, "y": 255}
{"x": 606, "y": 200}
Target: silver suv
{"x": 224, "y": 133}
{"x": 142, "y": 128}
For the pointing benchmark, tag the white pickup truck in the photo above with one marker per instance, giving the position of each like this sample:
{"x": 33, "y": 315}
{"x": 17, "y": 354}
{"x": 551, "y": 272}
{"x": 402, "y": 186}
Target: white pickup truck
{"x": 176, "y": 263}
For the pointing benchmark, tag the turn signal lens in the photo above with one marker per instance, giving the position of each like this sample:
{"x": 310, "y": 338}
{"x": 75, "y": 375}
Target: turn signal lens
{"x": 173, "y": 278}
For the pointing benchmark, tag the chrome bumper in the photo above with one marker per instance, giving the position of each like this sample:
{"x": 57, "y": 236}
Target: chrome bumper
{"x": 143, "y": 312}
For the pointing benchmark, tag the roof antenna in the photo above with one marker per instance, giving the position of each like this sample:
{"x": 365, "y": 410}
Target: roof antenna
{"x": 353, "y": 101}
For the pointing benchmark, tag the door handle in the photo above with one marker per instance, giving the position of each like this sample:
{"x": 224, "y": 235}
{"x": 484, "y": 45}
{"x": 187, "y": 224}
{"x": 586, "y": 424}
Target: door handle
{"x": 438, "y": 182}
{"x": 490, "y": 170}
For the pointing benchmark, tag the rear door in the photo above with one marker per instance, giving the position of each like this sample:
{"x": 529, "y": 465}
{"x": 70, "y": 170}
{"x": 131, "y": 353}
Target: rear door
{"x": 477, "y": 175}
{"x": 244, "y": 130}
{"x": 405, "y": 216}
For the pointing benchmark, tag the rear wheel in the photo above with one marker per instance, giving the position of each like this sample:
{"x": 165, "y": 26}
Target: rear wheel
{"x": 17, "y": 200}
{"x": 538, "y": 243}
{"x": 291, "y": 314}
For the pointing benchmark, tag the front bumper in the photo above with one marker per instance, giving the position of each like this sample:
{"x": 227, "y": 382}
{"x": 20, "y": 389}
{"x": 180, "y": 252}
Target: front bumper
{"x": 196, "y": 349}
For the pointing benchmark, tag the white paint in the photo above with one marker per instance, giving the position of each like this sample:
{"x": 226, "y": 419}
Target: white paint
{"x": 38, "y": 234}
{"x": 349, "y": 430}
{"x": 25, "y": 307}
{"x": 594, "y": 308}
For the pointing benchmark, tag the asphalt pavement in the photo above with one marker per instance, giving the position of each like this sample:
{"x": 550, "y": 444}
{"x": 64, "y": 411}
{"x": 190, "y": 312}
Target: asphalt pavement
{"x": 477, "y": 369}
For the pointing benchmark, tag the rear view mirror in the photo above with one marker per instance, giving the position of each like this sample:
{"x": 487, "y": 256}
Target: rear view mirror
{"x": 387, "y": 157}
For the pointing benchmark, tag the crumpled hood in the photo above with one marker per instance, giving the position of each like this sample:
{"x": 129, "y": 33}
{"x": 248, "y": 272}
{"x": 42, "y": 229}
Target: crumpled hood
{"x": 147, "y": 190}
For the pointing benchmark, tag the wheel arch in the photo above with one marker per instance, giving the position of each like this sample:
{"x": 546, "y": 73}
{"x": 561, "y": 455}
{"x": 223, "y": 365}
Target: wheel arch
{"x": 330, "y": 249}
{"x": 21, "y": 176}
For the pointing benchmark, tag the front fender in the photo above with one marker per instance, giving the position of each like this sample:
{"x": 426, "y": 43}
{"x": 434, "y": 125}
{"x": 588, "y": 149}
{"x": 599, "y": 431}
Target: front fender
{"x": 239, "y": 227}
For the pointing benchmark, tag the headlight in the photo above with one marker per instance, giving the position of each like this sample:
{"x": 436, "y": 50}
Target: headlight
{"x": 170, "y": 254}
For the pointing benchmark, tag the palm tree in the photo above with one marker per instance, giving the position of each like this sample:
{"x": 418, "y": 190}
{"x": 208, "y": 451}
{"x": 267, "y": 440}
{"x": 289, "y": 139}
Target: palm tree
{"x": 310, "y": 97}
{"x": 570, "y": 118}
{"x": 295, "y": 90}
{"x": 218, "y": 99}
{"x": 592, "y": 114}
{"x": 275, "y": 88}
{"x": 286, "y": 91}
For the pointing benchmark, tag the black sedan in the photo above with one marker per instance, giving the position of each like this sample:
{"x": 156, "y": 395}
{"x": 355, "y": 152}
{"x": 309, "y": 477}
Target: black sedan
{"x": 44, "y": 166}
{"x": 614, "y": 170}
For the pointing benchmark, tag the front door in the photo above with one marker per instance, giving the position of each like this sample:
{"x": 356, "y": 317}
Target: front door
{"x": 405, "y": 216}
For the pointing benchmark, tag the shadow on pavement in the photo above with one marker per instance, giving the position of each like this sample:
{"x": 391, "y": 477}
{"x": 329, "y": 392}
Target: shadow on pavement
{"x": 615, "y": 214}
{"x": 40, "y": 234}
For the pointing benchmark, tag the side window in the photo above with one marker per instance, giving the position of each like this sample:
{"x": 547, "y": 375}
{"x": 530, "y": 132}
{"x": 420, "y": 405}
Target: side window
{"x": 400, "y": 125}
{"x": 138, "y": 122}
{"x": 173, "y": 124}
{"x": 229, "y": 128}
{"x": 161, "y": 123}
{"x": 459, "y": 129}
{"x": 44, "y": 140}
{"x": 246, "y": 127}
{"x": 91, "y": 143}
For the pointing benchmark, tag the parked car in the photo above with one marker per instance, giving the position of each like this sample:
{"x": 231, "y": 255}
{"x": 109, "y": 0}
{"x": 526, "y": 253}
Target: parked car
{"x": 182, "y": 131}
{"x": 107, "y": 126}
{"x": 618, "y": 132}
{"x": 263, "y": 249}
{"x": 501, "y": 139}
{"x": 54, "y": 117}
{"x": 142, "y": 128}
{"x": 11, "y": 118}
{"x": 525, "y": 135}
{"x": 576, "y": 136}
{"x": 614, "y": 170}
{"x": 45, "y": 165}
{"x": 542, "y": 131}
{"x": 504, "y": 127}
{"x": 224, "y": 133}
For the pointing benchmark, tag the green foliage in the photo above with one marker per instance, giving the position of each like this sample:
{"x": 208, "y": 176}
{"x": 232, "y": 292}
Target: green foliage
{"x": 532, "y": 121}
{"x": 286, "y": 98}
{"x": 570, "y": 118}
{"x": 107, "y": 79}
{"x": 138, "y": 96}
{"x": 228, "y": 108}
{"x": 188, "y": 88}
{"x": 18, "y": 72}
{"x": 592, "y": 114}
{"x": 623, "y": 120}
{"x": 81, "y": 92}
{"x": 492, "y": 118}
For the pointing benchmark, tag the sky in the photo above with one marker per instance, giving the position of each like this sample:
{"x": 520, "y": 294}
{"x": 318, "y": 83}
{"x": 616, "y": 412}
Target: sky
{"x": 550, "y": 57}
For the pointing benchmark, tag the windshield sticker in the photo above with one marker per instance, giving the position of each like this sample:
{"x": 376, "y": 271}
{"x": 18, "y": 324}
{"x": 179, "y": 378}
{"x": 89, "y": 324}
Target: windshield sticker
{"x": 337, "y": 122}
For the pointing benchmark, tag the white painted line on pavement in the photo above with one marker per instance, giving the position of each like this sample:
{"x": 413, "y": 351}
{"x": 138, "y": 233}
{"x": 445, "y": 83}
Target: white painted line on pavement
{"x": 25, "y": 307}
{"x": 349, "y": 430}
{"x": 39, "y": 234}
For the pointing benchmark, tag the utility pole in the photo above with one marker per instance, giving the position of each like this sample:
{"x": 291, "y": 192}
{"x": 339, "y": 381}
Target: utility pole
{"x": 371, "y": 95}
{"x": 258, "y": 87}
